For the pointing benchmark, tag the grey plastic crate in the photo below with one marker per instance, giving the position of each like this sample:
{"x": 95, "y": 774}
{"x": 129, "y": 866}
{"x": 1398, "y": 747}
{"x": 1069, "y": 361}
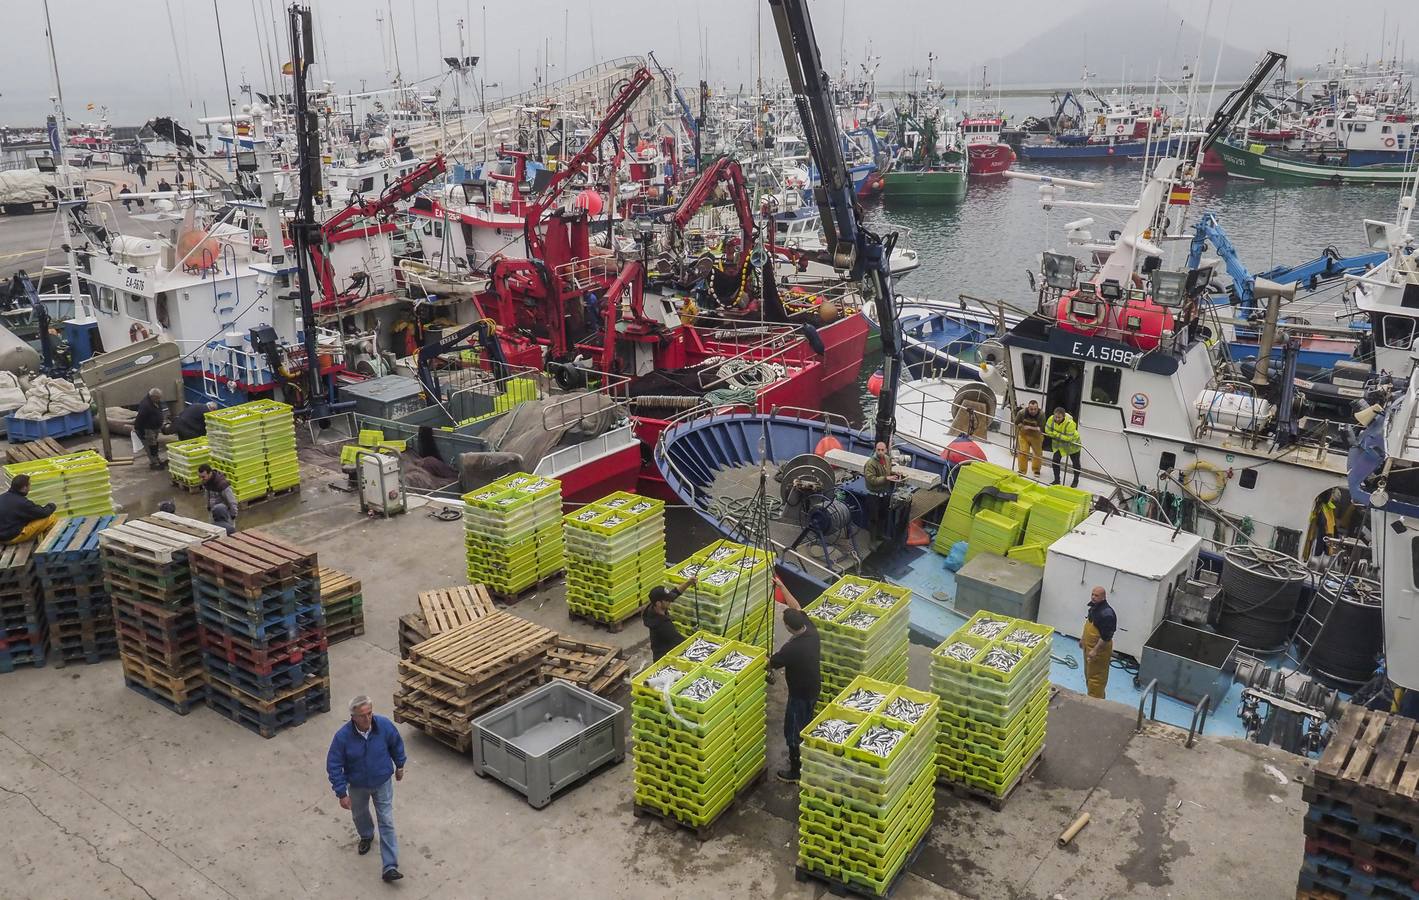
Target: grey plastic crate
{"x": 996, "y": 584}
{"x": 545, "y": 740}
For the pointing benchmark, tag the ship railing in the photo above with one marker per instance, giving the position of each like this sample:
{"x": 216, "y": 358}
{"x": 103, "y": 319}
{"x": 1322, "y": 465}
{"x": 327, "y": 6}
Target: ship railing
{"x": 612, "y": 392}
{"x": 585, "y": 274}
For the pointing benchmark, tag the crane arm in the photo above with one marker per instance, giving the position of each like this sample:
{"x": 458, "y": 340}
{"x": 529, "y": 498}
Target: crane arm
{"x": 487, "y": 333}
{"x": 620, "y": 105}
{"x": 1209, "y": 231}
{"x": 728, "y": 171}
{"x": 850, "y": 245}
{"x": 1236, "y": 102}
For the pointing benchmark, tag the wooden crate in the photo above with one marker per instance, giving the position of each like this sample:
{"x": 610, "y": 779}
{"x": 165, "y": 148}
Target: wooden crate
{"x": 452, "y": 607}
{"x": 336, "y": 586}
{"x": 599, "y": 668}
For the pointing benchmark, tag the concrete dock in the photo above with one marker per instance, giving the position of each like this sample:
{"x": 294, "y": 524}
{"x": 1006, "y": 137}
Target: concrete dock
{"x": 104, "y": 793}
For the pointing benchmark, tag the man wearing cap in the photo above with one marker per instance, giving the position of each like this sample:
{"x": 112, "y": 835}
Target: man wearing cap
{"x": 664, "y": 636}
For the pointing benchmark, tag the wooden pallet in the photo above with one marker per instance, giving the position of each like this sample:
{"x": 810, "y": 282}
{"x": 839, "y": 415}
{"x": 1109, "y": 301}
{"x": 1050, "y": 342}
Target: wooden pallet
{"x": 336, "y": 586}
{"x": 1372, "y": 760}
{"x": 43, "y": 448}
{"x": 452, "y": 607}
{"x": 159, "y": 538}
{"x": 269, "y": 495}
{"x": 995, "y": 801}
{"x": 251, "y": 561}
{"x": 412, "y": 630}
{"x": 74, "y": 539}
{"x": 611, "y": 627}
{"x": 598, "y": 668}
{"x": 470, "y": 653}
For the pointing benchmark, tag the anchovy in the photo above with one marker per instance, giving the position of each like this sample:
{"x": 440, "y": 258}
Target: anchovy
{"x": 734, "y": 661}
{"x": 880, "y": 599}
{"x": 700, "y": 650}
{"x": 1024, "y": 637}
{"x": 615, "y": 502}
{"x": 720, "y": 578}
{"x": 690, "y": 570}
{"x": 850, "y": 591}
{"x": 826, "y": 610}
{"x": 586, "y": 515}
{"x": 989, "y": 628}
{"x": 640, "y": 508}
{"x": 701, "y": 688}
{"x": 905, "y": 710}
{"x": 860, "y": 620}
{"x": 722, "y": 554}
{"x": 863, "y": 700}
{"x": 960, "y": 651}
{"x": 1002, "y": 659}
{"x": 834, "y": 731}
{"x": 880, "y": 740}
{"x": 662, "y": 680}
{"x": 540, "y": 484}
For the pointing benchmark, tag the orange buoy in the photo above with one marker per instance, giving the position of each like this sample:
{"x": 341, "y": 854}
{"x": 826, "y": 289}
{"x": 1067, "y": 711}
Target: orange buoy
{"x": 826, "y": 444}
{"x": 874, "y": 384}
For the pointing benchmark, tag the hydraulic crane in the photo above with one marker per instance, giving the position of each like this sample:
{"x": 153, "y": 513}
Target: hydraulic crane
{"x": 1235, "y": 103}
{"x": 337, "y": 228}
{"x": 850, "y": 245}
{"x": 728, "y": 171}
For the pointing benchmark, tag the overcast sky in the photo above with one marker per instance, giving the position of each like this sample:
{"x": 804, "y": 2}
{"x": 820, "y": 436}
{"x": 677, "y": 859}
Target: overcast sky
{"x": 146, "y": 57}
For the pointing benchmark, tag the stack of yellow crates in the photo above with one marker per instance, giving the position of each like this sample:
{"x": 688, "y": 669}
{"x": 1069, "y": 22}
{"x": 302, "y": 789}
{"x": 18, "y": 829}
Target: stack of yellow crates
{"x": 992, "y": 676}
{"x": 864, "y": 629}
{"x": 254, "y": 445}
{"x": 1022, "y": 528}
{"x": 513, "y": 532}
{"x": 615, "y": 552}
{"x": 733, "y": 597}
{"x": 183, "y": 459}
{"x": 76, "y": 483}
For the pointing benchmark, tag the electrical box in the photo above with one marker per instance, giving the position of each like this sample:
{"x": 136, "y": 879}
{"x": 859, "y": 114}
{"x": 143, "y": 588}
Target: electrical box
{"x": 1140, "y": 564}
{"x": 381, "y": 491}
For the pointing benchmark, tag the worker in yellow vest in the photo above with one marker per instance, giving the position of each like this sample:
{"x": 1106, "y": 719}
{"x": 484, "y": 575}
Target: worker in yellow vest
{"x": 1098, "y": 642}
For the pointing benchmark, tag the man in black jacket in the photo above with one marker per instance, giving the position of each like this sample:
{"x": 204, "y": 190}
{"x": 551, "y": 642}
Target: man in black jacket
{"x": 192, "y": 421}
{"x": 664, "y": 636}
{"x": 22, "y": 519}
{"x": 799, "y": 658}
{"x": 149, "y": 424}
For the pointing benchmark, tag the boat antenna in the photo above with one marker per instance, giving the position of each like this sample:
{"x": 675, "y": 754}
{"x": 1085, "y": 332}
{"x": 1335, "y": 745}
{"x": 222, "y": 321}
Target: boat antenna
{"x": 226, "y": 79}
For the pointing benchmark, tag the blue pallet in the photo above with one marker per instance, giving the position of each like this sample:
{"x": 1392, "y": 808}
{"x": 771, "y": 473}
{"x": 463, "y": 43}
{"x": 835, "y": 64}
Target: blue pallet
{"x": 272, "y": 629}
{"x": 279, "y": 681}
{"x": 88, "y": 550}
{"x": 270, "y": 601}
{"x": 1337, "y": 873}
{"x": 1369, "y": 825}
{"x": 286, "y": 714}
{"x": 21, "y": 430}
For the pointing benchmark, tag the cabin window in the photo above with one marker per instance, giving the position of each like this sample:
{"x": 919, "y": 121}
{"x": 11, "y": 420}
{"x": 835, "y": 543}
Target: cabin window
{"x": 1167, "y": 461}
{"x": 1385, "y": 129}
{"x": 1107, "y": 381}
{"x": 1357, "y": 126}
{"x": 1414, "y": 559}
{"x": 366, "y": 185}
{"x": 1398, "y": 332}
{"x": 136, "y": 307}
{"x": 106, "y": 298}
{"x": 1033, "y": 367}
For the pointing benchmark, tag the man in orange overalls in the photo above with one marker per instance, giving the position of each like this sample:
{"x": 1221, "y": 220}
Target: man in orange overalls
{"x": 1098, "y": 642}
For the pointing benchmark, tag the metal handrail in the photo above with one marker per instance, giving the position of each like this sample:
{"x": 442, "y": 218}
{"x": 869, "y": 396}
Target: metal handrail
{"x": 612, "y": 387}
{"x": 1201, "y": 709}
{"x": 1152, "y": 688}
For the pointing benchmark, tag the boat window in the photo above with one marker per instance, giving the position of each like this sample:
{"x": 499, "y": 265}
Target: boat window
{"x": 1107, "y": 380}
{"x": 366, "y": 185}
{"x": 1357, "y": 126}
{"x": 1398, "y": 332}
{"x": 782, "y": 227}
{"x": 1414, "y": 559}
{"x": 1033, "y": 365}
{"x": 136, "y": 307}
{"x": 107, "y": 299}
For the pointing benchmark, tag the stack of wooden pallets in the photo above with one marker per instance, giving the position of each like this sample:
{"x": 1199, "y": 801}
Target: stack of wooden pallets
{"x": 453, "y": 677}
{"x": 76, "y": 603}
{"x": 33, "y": 450}
{"x": 262, "y": 630}
{"x": 599, "y": 668}
{"x": 1362, "y": 827}
{"x": 412, "y": 630}
{"x": 448, "y": 608}
{"x": 343, "y": 600}
{"x": 149, "y": 580}
{"x": 23, "y": 632}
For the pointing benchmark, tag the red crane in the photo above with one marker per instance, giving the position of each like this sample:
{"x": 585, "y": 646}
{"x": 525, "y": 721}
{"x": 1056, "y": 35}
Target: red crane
{"x": 728, "y": 171}
{"x": 334, "y": 229}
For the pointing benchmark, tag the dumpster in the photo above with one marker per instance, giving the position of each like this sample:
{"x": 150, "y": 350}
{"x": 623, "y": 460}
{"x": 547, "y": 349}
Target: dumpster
{"x": 1188, "y": 662}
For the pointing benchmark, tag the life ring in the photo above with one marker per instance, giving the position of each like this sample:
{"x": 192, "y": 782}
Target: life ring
{"x": 1118, "y": 129}
{"x": 1389, "y": 142}
{"x": 1219, "y": 476}
{"x": 138, "y": 332}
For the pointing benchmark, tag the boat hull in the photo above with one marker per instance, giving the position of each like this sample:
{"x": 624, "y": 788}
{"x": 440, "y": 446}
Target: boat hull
{"x": 1129, "y": 149}
{"x": 925, "y": 187}
{"x": 990, "y": 159}
{"x": 1246, "y": 163}
{"x": 844, "y": 342}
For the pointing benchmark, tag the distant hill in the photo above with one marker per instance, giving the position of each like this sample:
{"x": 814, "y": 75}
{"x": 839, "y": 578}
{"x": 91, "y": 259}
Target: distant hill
{"x": 1109, "y": 37}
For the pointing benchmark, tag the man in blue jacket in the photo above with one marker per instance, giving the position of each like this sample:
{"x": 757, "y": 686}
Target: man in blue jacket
{"x": 363, "y": 755}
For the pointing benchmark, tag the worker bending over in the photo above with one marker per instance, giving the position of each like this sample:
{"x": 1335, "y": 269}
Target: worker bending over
{"x": 22, "y": 519}
{"x": 664, "y": 636}
{"x": 799, "y": 658}
{"x": 1098, "y": 642}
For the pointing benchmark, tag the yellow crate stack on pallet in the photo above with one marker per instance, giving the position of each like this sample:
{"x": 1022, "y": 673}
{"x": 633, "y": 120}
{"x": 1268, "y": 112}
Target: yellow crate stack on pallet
{"x": 76, "y": 483}
{"x": 254, "y": 445}
{"x": 513, "y": 532}
{"x": 615, "y": 552}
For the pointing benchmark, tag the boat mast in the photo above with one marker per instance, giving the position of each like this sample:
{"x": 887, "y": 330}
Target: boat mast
{"x": 62, "y": 124}
{"x": 305, "y": 228}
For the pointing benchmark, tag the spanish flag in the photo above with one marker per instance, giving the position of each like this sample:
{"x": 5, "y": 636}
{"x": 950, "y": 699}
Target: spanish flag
{"x": 1180, "y": 195}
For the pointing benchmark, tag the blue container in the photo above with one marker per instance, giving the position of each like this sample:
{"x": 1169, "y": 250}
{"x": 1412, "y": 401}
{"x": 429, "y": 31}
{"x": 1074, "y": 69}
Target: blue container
{"x": 21, "y": 430}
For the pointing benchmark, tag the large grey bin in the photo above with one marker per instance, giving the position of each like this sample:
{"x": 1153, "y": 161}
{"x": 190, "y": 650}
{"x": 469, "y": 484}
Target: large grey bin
{"x": 996, "y": 584}
{"x": 547, "y": 739}
{"x": 1188, "y": 662}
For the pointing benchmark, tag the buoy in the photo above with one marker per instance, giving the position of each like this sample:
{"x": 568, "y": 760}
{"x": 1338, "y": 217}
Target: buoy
{"x": 962, "y": 449}
{"x": 826, "y": 444}
{"x": 874, "y": 383}
{"x": 590, "y": 201}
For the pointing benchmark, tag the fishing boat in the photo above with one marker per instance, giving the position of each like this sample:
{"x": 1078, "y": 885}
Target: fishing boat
{"x": 930, "y": 167}
{"x": 947, "y": 339}
{"x": 988, "y": 154}
{"x": 1258, "y": 162}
